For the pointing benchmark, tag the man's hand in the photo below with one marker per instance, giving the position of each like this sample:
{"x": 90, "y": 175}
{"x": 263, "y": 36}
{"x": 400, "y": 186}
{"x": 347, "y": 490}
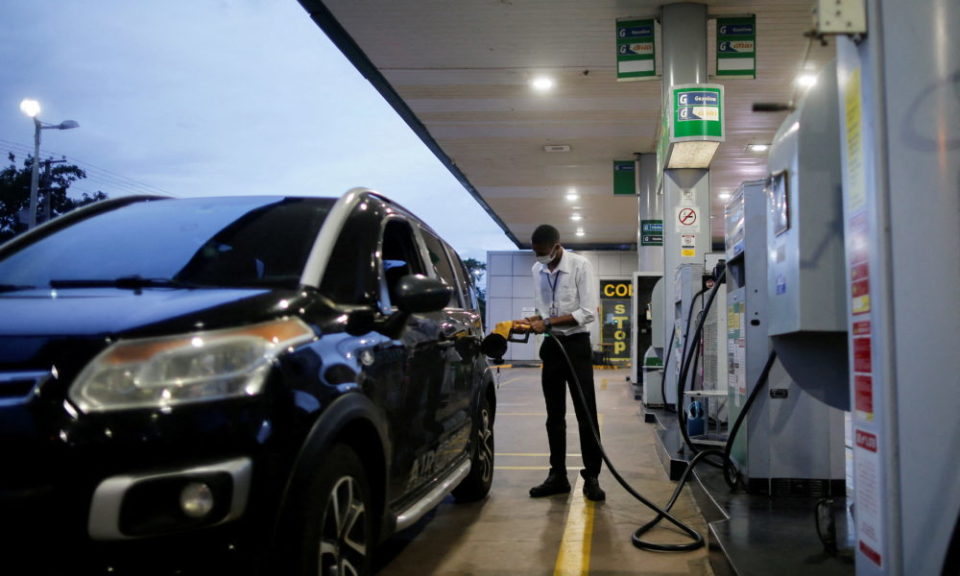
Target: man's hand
{"x": 538, "y": 327}
{"x": 521, "y": 326}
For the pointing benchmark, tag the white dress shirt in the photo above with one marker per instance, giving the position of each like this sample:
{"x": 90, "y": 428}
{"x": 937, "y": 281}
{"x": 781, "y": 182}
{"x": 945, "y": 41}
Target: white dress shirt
{"x": 571, "y": 288}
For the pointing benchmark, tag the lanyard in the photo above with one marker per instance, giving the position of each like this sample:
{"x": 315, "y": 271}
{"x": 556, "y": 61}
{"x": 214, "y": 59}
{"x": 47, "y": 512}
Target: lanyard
{"x": 553, "y": 293}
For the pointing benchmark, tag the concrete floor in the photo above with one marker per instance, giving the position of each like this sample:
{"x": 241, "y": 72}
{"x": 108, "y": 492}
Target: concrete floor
{"x": 510, "y": 533}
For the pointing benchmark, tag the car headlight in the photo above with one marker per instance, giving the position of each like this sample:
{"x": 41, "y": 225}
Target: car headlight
{"x": 198, "y": 367}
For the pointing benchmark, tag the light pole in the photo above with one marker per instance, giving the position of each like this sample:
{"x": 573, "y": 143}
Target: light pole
{"x": 32, "y": 109}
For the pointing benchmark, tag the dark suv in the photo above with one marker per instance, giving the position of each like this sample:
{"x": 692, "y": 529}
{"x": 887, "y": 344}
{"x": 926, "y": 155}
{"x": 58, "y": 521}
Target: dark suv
{"x": 213, "y": 384}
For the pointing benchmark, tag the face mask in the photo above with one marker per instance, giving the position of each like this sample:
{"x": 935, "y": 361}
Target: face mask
{"x": 546, "y": 259}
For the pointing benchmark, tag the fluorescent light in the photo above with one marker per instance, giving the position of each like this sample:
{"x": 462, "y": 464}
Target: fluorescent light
{"x": 758, "y": 147}
{"x": 542, "y": 83}
{"x": 576, "y": 217}
{"x": 724, "y": 195}
{"x": 806, "y": 80}
{"x": 579, "y": 231}
{"x": 572, "y": 196}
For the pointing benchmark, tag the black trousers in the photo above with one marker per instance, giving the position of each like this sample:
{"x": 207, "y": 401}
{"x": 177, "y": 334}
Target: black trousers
{"x": 555, "y": 379}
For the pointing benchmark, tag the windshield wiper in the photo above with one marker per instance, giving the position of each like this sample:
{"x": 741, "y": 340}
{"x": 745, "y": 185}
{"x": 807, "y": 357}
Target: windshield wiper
{"x": 14, "y": 287}
{"x": 124, "y": 282}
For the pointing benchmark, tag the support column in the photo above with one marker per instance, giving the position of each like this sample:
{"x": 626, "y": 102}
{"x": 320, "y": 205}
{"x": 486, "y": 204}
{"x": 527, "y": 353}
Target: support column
{"x": 684, "y": 50}
{"x": 649, "y": 258}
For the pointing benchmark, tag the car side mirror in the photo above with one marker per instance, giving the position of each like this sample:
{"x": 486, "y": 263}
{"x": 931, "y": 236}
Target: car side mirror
{"x": 416, "y": 293}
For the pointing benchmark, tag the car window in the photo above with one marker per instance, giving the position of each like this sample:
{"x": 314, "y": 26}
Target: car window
{"x": 466, "y": 281}
{"x": 236, "y": 242}
{"x": 351, "y": 273}
{"x": 399, "y": 255}
{"x": 441, "y": 265}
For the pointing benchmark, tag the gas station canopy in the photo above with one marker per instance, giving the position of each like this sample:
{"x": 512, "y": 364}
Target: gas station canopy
{"x": 462, "y": 76}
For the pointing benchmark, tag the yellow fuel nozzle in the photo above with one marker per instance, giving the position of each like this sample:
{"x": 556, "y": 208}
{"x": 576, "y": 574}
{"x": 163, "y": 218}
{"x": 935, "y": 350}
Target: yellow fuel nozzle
{"x": 494, "y": 346}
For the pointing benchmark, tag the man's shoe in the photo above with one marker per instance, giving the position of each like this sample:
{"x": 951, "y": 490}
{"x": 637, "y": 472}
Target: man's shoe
{"x": 556, "y": 483}
{"x": 593, "y": 491}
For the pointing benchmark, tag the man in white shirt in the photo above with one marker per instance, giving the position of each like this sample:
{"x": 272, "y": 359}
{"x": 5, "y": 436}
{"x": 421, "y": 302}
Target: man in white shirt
{"x": 566, "y": 296}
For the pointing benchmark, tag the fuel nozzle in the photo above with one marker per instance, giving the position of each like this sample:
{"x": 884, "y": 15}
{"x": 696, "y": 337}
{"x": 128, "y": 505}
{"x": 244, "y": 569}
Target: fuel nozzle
{"x": 494, "y": 346}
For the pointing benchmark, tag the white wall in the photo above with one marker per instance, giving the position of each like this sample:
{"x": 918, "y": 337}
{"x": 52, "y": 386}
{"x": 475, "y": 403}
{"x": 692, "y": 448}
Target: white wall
{"x": 510, "y": 290}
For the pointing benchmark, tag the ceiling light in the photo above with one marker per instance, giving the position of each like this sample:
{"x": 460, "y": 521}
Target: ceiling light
{"x": 724, "y": 195}
{"x": 579, "y": 231}
{"x": 806, "y": 80}
{"x": 758, "y": 147}
{"x": 556, "y": 148}
{"x": 572, "y": 196}
{"x": 542, "y": 83}
{"x": 576, "y": 217}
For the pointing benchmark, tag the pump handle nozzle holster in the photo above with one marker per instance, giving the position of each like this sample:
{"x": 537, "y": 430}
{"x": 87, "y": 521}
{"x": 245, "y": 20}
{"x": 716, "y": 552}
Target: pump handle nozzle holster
{"x": 494, "y": 346}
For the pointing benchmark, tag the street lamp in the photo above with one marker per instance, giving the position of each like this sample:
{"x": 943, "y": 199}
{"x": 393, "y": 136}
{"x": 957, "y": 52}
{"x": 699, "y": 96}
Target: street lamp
{"x": 32, "y": 109}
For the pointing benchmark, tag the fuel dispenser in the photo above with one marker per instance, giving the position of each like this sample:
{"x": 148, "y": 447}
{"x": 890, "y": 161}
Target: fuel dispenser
{"x": 789, "y": 441}
{"x": 805, "y": 257}
{"x": 687, "y": 283}
{"x": 653, "y": 358}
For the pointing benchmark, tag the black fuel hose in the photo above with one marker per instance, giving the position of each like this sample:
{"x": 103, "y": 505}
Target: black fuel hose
{"x": 664, "y": 513}
{"x": 687, "y": 360}
{"x": 668, "y": 353}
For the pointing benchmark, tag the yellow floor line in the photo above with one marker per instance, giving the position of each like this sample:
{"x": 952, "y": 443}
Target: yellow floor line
{"x": 573, "y": 559}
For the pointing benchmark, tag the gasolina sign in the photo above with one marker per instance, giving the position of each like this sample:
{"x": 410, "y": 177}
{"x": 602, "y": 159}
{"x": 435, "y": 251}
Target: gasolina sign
{"x": 697, "y": 112}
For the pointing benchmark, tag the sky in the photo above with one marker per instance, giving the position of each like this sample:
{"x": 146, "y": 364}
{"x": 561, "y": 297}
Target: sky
{"x": 216, "y": 97}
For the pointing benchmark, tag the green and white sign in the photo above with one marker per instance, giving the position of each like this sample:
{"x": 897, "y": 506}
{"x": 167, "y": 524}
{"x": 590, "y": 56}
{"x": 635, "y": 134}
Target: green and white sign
{"x": 737, "y": 47}
{"x": 636, "y": 50}
{"x": 624, "y": 178}
{"x": 696, "y": 112}
{"x": 651, "y": 232}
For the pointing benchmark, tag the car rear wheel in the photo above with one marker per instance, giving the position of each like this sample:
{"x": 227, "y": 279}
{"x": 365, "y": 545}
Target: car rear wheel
{"x": 338, "y": 538}
{"x": 477, "y": 484}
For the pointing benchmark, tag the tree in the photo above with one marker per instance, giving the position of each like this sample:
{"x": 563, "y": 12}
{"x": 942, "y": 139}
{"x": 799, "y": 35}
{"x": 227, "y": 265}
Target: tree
{"x": 56, "y": 176}
{"x": 478, "y": 269}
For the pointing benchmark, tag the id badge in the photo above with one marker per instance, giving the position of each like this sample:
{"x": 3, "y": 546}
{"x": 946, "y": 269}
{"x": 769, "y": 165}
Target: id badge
{"x": 553, "y": 312}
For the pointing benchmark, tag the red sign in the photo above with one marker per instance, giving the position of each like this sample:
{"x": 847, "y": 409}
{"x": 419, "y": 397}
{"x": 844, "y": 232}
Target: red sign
{"x": 861, "y": 355}
{"x": 861, "y": 328}
{"x": 866, "y": 440}
{"x": 870, "y": 553}
{"x": 863, "y": 393}
{"x": 688, "y": 216}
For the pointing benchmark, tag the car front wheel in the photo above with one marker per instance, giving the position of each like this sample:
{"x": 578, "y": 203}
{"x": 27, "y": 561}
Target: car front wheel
{"x": 337, "y": 532}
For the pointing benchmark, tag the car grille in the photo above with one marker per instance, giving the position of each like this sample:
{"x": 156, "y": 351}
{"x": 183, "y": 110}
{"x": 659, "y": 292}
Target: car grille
{"x": 18, "y": 387}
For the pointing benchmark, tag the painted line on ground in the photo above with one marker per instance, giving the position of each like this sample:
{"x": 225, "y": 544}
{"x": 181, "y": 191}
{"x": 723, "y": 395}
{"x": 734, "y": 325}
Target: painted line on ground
{"x": 573, "y": 558}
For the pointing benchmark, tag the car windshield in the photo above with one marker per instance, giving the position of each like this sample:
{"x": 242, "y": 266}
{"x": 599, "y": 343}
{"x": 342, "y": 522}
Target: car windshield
{"x": 202, "y": 242}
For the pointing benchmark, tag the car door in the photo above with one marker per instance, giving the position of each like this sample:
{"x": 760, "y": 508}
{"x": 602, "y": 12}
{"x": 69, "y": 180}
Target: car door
{"x": 459, "y": 339}
{"x": 414, "y": 420}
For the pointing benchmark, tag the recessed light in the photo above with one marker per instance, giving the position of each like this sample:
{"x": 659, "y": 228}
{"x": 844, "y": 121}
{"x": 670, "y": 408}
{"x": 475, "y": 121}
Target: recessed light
{"x": 572, "y": 196}
{"x": 579, "y": 231}
{"x": 576, "y": 217}
{"x": 556, "y": 148}
{"x": 758, "y": 147}
{"x": 542, "y": 83}
{"x": 724, "y": 195}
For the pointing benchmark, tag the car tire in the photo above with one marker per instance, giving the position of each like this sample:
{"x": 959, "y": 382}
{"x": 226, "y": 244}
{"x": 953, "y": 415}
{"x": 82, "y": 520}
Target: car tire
{"x": 477, "y": 484}
{"x": 337, "y": 528}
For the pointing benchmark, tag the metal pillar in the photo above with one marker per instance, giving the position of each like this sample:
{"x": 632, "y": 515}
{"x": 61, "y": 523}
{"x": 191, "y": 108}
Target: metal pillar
{"x": 649, "y": 258}
{"x": 684, "y": 50}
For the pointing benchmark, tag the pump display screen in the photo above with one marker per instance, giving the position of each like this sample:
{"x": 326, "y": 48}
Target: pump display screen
{"x": 779, "y": 202}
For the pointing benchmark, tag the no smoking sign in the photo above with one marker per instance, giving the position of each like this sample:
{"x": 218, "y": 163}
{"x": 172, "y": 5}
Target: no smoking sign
{"x": 688, "y": 219}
